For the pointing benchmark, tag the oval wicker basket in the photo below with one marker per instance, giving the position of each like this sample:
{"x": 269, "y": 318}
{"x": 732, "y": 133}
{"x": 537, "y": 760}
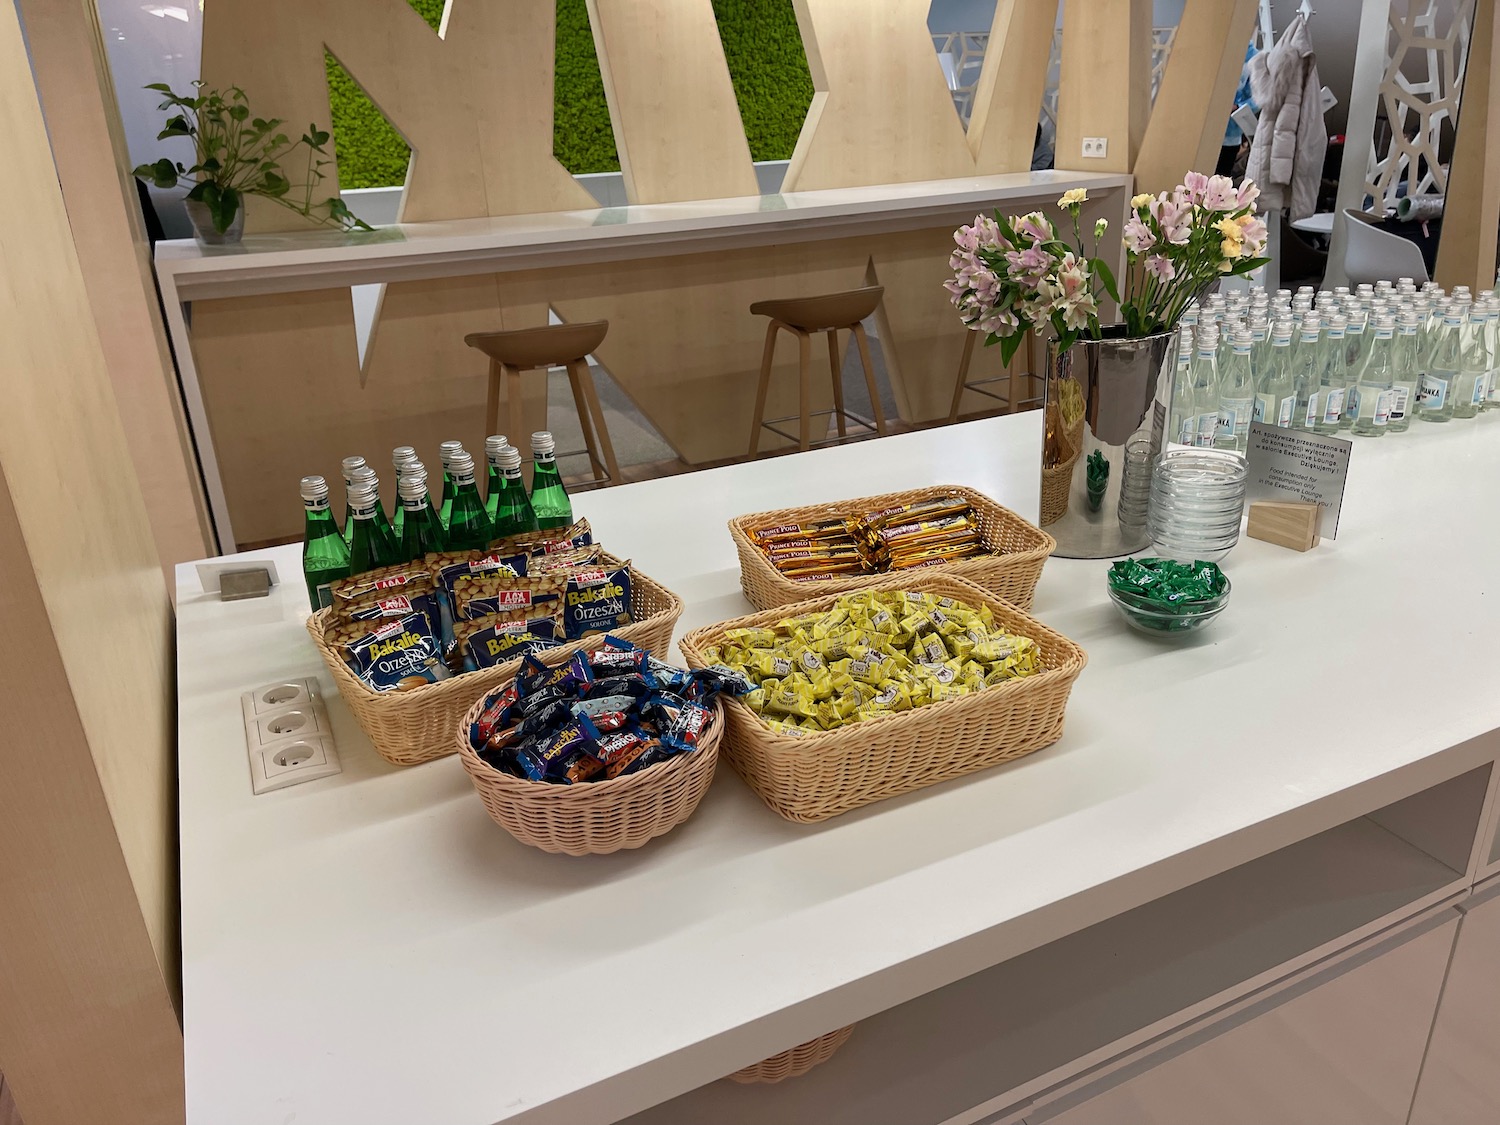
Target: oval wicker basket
{"x": 1021, "y": 549}
{"x": 795, "y": 1060}
{"x": 597, "y": 817}
{"x": 813, "y": 777}
{"x": 1057, "y": 481}
{"x": 408, "y": 728}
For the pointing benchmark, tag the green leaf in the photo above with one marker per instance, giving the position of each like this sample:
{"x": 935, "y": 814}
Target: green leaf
{"x": 274, "y": 185}
{"x": 1009, "y": 345}
{"x": 239, "y": 112}
{"x": 178, "y": 126}
{"x": 163, "y": 173}
{"x": 223, "y": 204}
{"x": 1106, "y": 275}
{"x": 159, "y": 86}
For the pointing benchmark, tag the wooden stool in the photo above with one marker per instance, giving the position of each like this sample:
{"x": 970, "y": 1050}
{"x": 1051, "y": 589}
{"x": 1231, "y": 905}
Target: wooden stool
{"x": 555, "y": 345}
{"x": 802, "y": 316}
{"x": 1008, "y": 378}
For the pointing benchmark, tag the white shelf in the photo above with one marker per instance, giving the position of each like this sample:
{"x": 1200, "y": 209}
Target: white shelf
{"x": 425, "y": 937}
{"x": 1003, "y": 1034}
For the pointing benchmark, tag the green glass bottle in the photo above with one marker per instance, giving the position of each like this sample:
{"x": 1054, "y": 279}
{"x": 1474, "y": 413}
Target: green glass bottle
{"x": 325, "y": 555}
{"x": 549, "y": 499}
{"x": 421, "y": 533}
{"x": 468, "y": 525}
{"x": 401, "y": 457}
{"x": 351, "y": 466}
{"x": 513, "y": 514}
{"x": 366, "y": 478}
{"x": 493, "y": 446}
{"x": 371, "y": 545}
{"x": 446, "y": 452}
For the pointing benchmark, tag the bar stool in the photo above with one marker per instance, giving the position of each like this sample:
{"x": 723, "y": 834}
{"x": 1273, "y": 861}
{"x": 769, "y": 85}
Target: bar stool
{"x": 1008, "y": 377}
{"x": 802, "y": 316}
{"x": 553, "y": 345}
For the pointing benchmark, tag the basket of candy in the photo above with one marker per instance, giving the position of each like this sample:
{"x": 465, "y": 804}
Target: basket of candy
{"x": 795, "y": 1060}
{"x": 595, "y": 751}
{"x": 861, "y": 696}
{"x": 411, "y": 647}
{"x": 798, "y": 553}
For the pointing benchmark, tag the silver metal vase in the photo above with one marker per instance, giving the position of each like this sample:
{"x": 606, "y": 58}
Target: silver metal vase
{"x": 1105, "y": 416}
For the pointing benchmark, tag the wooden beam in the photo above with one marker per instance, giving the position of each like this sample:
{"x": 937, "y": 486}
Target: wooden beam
{"x": 676, "y": 121}
{"x": 1012, "y": 81}
{"x": 1104, "y": 89}
{"x": 1186, "y": 130}
{"x": 1471, "y": 217}
{"x": 88, "y": 912}
{"x": 77, "y": 96}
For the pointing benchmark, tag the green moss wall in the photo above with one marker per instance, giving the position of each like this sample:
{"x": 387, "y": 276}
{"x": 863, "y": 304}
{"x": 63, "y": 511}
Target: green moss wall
{"x": 761, "y": 44}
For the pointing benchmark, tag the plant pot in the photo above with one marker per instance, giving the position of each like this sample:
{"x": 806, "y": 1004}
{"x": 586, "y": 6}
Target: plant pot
{"x": 1118, "y": 383}
{"x": 203, "y": 224}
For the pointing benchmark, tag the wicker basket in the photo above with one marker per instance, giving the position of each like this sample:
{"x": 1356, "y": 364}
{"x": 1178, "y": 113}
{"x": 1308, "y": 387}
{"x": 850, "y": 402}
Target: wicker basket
{"x": 796, "y": 1060}
{"x": 1057, "y": 480}
{"x": 415, "y": 726}
{"x": 815, "y": 776}
{"x": 597, "y": 817}
{"x": 1011, "y": 573}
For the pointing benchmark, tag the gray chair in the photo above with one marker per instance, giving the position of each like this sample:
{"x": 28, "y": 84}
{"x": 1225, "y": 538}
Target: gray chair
{"x": 1372, "y": 254}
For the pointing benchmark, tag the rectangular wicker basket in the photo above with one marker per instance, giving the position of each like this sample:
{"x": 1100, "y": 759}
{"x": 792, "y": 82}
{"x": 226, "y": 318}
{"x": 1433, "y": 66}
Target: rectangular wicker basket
{"x": 1020, "y": 549}
{"x": 813, "y": 777}
{"x": 415, "y": 726}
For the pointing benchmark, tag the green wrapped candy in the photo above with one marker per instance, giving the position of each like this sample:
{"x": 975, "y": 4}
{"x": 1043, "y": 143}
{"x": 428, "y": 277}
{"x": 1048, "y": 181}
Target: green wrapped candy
{"x": 1097, "y": 478}
{"x": 1166, "y": 584}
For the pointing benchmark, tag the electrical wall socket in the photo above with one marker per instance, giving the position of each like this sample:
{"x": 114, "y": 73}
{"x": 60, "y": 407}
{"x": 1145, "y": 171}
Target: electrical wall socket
{"x": 1096, "y": 148}
{"x": 287, "y": 734}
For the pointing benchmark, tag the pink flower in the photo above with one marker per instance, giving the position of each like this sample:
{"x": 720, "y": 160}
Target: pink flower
{"x": 1138, "y": 235}
{"x": 1160, "y": 267}
{"x": 1220, "y": 195}
{"x": 1175, "y": 218}
{"x": 1029, "y": 266}
{"x": 1070, "y": 293}
{"x": 1253, "y": 230}
{"x": 1034, "y": 226}
{"x": 1248, "y": 193}
{"x": 1195, "y": 186}
{"x": 967, "y": 238}
{"x": 999, "y": 323}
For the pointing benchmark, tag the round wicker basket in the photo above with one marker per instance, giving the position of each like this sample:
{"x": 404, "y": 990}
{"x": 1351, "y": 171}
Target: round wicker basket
{"x": 795, "y": 1060}
{"x": 1057, "y": 480}
{"x": 597, "y": 817}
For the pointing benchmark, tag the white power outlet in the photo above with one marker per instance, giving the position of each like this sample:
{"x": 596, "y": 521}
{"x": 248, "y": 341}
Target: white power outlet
{"x": 1096, "y": 148}
{"x": 287, "y": 734}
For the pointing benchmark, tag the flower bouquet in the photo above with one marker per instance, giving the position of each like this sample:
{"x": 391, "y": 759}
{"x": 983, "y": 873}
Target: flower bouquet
{"x": 1018, "y": 274}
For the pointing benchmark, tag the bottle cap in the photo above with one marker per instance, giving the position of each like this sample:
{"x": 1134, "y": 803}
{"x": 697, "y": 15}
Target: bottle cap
{"x": 1312, "y": 324}
{"x": 493, "y": 445}
{"x": 350, "y": 464}
{"x": 1338, "y": 322}
{"x": 1281, "y": 330}
{"x": 361, "y": 496}
{"x": 314, "y": 488}
{"x": 447, "y": 449}
{"x": 509, "y": 458}
{"x": 461, "y": 464}
{"x": 364, "y": 475}
{"x": 410, "y": 468}
{"x": 413, "y": 487}
{"x": 541, "y": 442}
{"x": 402, "y": 454}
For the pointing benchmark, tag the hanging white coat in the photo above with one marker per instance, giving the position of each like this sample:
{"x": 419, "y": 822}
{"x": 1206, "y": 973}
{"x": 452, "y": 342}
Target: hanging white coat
{"x": 1286, "y": 156}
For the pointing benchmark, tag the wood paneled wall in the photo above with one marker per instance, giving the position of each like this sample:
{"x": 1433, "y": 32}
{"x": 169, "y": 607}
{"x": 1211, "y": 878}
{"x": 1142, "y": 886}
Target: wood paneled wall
{"x": 88, "y": 917}
{"x": 1471, "y": 218}
{"x": 1105, "y": 83}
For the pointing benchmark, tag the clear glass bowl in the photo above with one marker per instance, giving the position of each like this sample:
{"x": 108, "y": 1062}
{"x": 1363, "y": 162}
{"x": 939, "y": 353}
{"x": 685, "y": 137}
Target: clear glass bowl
{"x": 1146, "y": 617}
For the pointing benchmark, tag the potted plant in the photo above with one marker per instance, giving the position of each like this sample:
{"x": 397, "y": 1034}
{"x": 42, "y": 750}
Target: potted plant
{"x": 236, "y": 155}
{"x": 1014, "y": 275}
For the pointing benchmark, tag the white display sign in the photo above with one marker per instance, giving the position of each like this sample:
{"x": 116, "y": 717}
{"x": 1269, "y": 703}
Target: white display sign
{"x": 1293, "y": 465}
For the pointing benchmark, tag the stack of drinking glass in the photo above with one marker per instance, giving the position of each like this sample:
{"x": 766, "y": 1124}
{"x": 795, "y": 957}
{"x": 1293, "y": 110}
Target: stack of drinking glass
{"x": 1135, "y": 484}
{"x": 1197, "y": 501}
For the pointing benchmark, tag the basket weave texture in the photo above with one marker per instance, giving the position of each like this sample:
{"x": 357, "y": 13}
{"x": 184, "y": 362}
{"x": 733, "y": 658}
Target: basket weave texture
{"x": 410, "y": 727}
{"x": 1057, "y": 480}
{"x": 815, "y": 776}
{"x": 1011, "y": 572}
{"x": 595, "y": 817}
{"x": 795, "y": 1060}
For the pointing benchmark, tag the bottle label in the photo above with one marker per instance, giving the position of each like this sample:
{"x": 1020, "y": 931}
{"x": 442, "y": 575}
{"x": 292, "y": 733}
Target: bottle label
{"x": 414, "y": 503}
{"x": 1434, "y": 392}
{"x": 543, "y": 458}
{"x": 1333, "y": 408}
{"x": 1312, "y": 410}
{"x": 362, "y": 513}
{"x": 461, "y": 479}
{"x": 1234, "y": 413}
{"x": 319, "y": 505}
{"x": 1208, "y": 426}
{"x": 1264, "y": 405}
{"x": 1351, "y": 403}
{"x": 1481, "y": 390}
{"x": 1400, "y": 398}
{"x": 512, "y": 474}
{"x": 1383, "y": 408}
{"x": 1286, "y": 412}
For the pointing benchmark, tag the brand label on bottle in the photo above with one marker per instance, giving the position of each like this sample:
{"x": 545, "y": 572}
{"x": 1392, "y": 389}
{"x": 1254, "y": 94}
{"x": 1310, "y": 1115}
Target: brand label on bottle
{"x": 1208, "y": 426}
{"x": 1351, "y": 403}
{"x": 461, "y": 479}
{"x": 414, "y": 503}
{"x": 512, "y": 474}
{"x": 1233, "y": 413}
{"x": 1264, "y": 405}
{"x": 1383, "y": 408}
{"x": 1312, "y": 410}
{"x": 319, "y": 505}
{"x": 1481, "y": 390}
{"x": 543, "y": 458}
{"x": 1286, "y": 412}
{"x": 1333, "y": 408}
{"x": 1400, "y": 399}
{"x": 1434, "y": 392}
{"x": 363, "y": 513}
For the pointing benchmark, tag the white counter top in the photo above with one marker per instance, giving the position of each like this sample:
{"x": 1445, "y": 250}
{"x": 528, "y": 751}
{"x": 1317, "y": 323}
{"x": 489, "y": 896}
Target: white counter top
{"x": 371, "y": 949}
{"x": 281, "y": 263}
